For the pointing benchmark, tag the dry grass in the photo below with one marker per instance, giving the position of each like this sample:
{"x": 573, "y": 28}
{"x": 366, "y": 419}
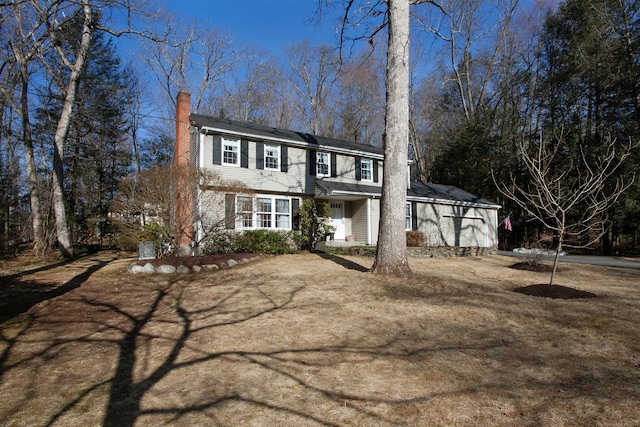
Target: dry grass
{"x": 305, "y": 340}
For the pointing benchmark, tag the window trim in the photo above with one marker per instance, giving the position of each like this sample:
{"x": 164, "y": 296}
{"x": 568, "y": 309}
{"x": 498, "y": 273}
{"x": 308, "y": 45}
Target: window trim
{"x": 278, "y": 157}
{"x": 408, "y": 217}
{"x": 274, "y": 214}
{"x": 370, "y": 170}
{"x": 230, "y": 142}
{"x": 318, "y": 164}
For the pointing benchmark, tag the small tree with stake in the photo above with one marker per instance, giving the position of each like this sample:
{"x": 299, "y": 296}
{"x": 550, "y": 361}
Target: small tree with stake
{"x": 570, "y": 199}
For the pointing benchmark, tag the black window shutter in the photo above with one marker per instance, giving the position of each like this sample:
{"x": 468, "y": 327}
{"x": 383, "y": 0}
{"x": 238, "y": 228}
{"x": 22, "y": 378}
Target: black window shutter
{"x": 414, "y": 215}
{"x": 230, "y": 211}
{"x": 295, "y": 205}
{"x": 334, "y": 166}
{"x": 375, "y": 171}
{"x": 358, "y": 169}
{"x": 284, "y": 159}
{"x": 244, "y": 153}
{"x": 259, "y": 155}
{"x": 312, "y": 162}
{"x": 217, "y": 150}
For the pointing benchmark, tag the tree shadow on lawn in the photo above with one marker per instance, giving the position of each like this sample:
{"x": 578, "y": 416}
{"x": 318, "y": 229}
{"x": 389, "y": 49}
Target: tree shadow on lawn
{"x": 18, "y": 296}
{"x": 128, "y": 388}
{"x": 349, "y": 265}
{"x": 175, "y": 334}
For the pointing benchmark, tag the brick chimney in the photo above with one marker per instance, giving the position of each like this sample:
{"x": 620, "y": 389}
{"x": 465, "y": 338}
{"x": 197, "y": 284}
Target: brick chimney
{"x": 182, "y": 161}
{"x": 182, "y": 149}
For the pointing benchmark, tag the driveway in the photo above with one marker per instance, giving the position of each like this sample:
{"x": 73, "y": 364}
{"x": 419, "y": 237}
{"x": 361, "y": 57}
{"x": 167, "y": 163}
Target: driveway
{"x": 606, "y": 261}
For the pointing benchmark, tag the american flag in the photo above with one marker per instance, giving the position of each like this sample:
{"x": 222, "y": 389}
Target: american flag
{"x": 507, "y": 223}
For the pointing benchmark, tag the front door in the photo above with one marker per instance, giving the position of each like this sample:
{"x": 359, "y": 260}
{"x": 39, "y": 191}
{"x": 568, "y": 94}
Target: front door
{"x": 337, "y": 219}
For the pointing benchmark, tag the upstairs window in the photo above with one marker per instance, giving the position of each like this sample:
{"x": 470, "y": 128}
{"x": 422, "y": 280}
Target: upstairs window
{"x": 366, "y": 170}
{"x": 230, "y": 152}
{"x": 272, "y": 157}
{"x": 322, "y": 164}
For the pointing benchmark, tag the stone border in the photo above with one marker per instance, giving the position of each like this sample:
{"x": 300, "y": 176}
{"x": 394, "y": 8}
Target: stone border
{"x": 148, "y": 268}
{"x": 425, "y": 252}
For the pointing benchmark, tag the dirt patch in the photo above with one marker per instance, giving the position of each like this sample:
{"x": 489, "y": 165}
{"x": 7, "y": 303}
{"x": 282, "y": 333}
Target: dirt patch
{"x": 533, "y": 266}
{"x": 308, "y": 340}
{"x": 554, "y": 291}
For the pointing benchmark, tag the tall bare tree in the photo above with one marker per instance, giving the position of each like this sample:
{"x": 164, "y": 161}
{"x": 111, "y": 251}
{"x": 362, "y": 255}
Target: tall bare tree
{"x": 25, "y": 37}
{"x": 194, "y": 58}
{"x": 391, "y": 255}
{"x": 94, "y": 16}
{"x": 313, "y": 71}
{"x": 569, "y": 199}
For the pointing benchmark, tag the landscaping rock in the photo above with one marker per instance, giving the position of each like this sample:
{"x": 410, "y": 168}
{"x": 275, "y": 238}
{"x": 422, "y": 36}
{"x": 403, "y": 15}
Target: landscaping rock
{"x": 232, "y": 262}
{"x": 183, "y": 269}
{"x": 166, "y": 269}
{"x": 148, "y": 268}
{"x": 135, "y": 269}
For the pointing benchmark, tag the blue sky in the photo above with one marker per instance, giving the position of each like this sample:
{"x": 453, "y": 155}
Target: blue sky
{"x": 273, "y": 24}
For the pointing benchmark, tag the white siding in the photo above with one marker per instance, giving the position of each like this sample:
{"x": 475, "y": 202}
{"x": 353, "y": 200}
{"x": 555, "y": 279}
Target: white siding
{"x": 446, "y": 225}
{"x": 359, "y": 220}
{"x": 296, "y": 180}
{"x": 375, "y": 219}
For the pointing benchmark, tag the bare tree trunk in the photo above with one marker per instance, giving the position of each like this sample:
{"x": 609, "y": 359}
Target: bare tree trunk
{"x": 555, "y": 258}
{"x": 391, "y": 256}
{"x": 32, "y": 179}
{"x": 62, "y": 130}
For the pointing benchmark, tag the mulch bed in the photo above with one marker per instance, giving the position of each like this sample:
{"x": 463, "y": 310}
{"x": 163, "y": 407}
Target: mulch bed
{"x": 533, "y": 266}
{"x": 554, "y": 291}
{"x": 190, "y": 261}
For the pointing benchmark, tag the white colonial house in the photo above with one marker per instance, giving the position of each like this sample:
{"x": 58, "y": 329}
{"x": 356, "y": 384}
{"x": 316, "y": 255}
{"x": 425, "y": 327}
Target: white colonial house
{"x": 281, "y": 168}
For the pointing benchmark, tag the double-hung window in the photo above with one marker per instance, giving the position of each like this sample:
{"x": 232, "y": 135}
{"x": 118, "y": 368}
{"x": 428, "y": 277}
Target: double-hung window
{"x": 366, "y": 170}
{"x": 407, "y": 217}
{"x": 283, "y": 213}
{"x": 264, "y": 206}
{"x": 231, "y": 152}
{"x": 271, "y": 212}
{"x": 272, "y": 157}
{"x": 322, "y": 164}
{"x": 244, "y": 211}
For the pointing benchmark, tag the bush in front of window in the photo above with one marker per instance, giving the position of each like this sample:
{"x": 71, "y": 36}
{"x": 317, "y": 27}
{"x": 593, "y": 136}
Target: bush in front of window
{"x": 416, "y": 239}
{"x": 220, "y": 242}
{"x": 266, "y": 242}
{"x": 314, "y": 217}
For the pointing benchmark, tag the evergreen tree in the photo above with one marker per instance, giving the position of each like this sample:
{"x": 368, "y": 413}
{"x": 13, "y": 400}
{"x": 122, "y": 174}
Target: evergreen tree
{"x": 97, "y": 154}
{"x": 590, "y": 90}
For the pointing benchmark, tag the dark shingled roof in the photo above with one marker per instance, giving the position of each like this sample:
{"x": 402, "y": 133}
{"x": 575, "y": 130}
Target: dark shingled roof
{"x": 330, "y": 187}
{"x": 446, "y": 192}
{"x": 441, "y": 193}
{"x": 258, "y": 131}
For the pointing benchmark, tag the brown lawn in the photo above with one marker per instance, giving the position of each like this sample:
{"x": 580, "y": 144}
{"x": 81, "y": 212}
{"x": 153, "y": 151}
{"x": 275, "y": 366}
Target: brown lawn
{"x": 310, "y": 340}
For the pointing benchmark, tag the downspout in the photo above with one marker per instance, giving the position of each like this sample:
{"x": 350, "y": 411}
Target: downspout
{"x": 369, "y": 221}
{"x": 199, "y": 231}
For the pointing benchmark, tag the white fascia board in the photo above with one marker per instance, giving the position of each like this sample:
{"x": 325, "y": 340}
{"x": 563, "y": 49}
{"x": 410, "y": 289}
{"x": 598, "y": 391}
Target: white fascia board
{"x": 451, "y": 202}
{"x": 296, "y": 143}
{"x": 353, "y": 193}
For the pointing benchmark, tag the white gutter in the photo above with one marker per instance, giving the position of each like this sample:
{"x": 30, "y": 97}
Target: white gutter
{"x": 352, "y": 193}
{"x": 451, "y": 202}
